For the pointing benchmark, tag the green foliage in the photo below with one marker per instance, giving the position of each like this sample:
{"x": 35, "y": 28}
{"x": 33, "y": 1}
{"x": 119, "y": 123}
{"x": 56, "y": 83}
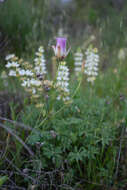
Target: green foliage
{"x": 81, "y": 138}
{"x": 16, "y": 21}
{"x": 3, "y": 179}
{"x": 78, "y": 139}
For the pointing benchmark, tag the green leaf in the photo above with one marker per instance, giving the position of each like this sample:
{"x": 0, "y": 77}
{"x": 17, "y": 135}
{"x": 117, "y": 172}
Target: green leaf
{"x": 34, "y": 138}
{"x": 3, "y": 179}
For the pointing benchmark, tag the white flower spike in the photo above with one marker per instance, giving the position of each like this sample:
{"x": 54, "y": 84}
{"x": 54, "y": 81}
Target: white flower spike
{"x": 91, "y": 64}
{"x": 78, "y": 61}
{"x": 62, "y": 82}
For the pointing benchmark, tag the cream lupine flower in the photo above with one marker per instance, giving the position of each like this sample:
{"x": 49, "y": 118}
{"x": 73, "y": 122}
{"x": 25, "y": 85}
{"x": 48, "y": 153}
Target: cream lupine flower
{"x": 12, "y": 64}
{"x": 29, "y": 73}
{"x": 63, "y": 82}
{"x": 78, "y": 61}
{"x": 26, "y": 83}
{"x": 12, "y": 73}
{"x": 10, "y": 56}
{"x": 91, "y": 64}
{"x": 21, "y": 72}
{"x": 26, "y": 72}
{"x": 30, "y": 81}
{"x": 35, "y": 82}
{"x": 40, "y": 66}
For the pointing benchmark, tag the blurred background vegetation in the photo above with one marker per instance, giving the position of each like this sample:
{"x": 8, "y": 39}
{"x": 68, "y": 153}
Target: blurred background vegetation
{"x": 24, "y": 25}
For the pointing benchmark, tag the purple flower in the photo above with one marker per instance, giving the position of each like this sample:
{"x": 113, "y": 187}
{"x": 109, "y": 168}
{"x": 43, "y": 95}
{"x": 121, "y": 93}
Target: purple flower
{"x": 60, "y": 48}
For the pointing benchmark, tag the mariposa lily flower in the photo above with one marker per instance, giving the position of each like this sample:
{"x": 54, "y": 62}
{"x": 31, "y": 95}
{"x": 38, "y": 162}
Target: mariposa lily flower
{"x": 60, "y": 48}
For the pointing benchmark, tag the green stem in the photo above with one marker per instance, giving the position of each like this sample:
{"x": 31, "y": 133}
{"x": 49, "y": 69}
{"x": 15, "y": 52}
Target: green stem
{"x": 81, "y": 174}
{"x": 77, "y": 88}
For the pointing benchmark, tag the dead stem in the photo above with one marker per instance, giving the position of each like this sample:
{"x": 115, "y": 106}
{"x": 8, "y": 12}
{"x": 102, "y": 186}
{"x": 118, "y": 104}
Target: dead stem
{"x": 17, "y": 137}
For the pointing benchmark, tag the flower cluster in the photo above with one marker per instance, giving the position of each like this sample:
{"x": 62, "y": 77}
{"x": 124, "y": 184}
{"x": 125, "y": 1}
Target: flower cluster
{"x": 33, "y": 76}
{"x": 12, "y": 64}
{"x": 78, "y": 61}
{"x": 24, "y": 71}
{"x": 62, "y": 82}
{"x": 40, "y": 66}
{"x": 91, "y": 64}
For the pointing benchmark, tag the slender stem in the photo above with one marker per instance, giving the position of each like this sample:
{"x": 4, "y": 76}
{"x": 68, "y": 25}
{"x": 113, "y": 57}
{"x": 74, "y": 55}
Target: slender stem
{"x": 79, "y": 168}
{"x": 77, "y": 88}
{"x": 6, "y": 148}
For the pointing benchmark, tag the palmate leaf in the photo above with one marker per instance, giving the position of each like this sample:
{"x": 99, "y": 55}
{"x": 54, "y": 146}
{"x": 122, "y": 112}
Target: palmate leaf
{"x": 3, "y": 179}
{"x": 34, "y": 138}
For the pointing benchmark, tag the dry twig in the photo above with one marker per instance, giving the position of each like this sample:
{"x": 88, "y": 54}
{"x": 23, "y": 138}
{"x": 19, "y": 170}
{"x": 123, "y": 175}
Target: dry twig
{"x": 11, "y": 132}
